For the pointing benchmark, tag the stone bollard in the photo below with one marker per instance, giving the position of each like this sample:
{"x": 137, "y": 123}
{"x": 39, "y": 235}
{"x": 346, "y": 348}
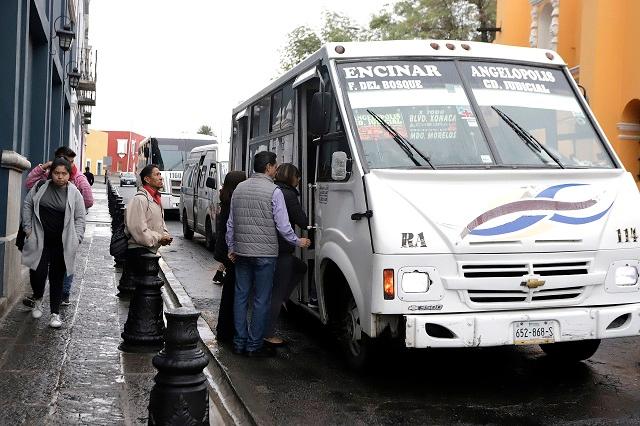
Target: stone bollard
{"x": 179, "y": 396}
{"x": 144, "y": 327}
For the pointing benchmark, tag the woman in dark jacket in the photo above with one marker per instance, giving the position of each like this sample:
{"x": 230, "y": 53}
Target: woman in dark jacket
{"x": 289, "y": 269}
{"x": 225, "y": 328}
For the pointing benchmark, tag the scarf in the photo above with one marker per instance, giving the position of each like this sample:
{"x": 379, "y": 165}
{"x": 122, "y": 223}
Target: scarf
{"x": 154, "y": 194}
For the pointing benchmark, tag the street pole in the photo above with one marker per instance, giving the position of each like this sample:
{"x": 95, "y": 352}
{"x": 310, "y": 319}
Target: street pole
{"x": 129, "y": 150}
{"x": 61, "y": 142}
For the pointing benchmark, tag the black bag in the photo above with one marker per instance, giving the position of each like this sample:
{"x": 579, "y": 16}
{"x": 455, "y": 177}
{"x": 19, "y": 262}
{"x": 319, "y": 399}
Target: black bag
{"x": 21, "y": 234}
{"x": 119, "y": 243}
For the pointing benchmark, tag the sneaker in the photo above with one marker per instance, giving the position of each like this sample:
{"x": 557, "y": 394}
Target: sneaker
{"x": 218, "y": 277}
{"x": 55, "y": 321}
{"x": 28, "y": 301}
{"x": 36, "y": 311}
{"x": 65, "y": 302}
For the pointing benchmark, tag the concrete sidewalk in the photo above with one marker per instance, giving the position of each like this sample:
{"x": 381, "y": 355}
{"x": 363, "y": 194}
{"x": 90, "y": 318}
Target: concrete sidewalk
{"x": 75, "y": 375}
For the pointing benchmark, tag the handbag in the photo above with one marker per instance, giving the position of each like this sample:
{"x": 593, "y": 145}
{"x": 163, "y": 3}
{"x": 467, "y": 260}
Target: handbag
{"x": 21, "y": 236}
{"x": 119, "y": 243}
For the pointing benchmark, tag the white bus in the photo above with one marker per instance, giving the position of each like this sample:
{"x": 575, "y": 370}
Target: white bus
{"x": 460, "y": 194}
{"x": 170, "y": 154}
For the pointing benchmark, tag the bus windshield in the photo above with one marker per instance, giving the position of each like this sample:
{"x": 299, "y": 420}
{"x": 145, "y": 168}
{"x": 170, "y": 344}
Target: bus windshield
{"x": 541, "y": 102}
{"x": 171, "y": 154}
{"x": 531, "y": 113}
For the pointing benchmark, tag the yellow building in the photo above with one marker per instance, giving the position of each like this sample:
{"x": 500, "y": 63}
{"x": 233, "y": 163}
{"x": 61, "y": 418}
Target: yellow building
{"x": 95, "y": 151}
{"x": 597, "y": 40}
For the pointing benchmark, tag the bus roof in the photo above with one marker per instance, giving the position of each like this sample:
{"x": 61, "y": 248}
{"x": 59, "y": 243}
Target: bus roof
{"x": 223, "y": 150}
{"x": 184, "y": 136}
{"x": 411, "y": 48}
{"x": 204, "y": 147}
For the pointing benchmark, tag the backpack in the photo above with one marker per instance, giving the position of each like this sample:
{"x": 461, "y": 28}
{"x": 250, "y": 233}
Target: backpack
{"x": 21, "y": 236}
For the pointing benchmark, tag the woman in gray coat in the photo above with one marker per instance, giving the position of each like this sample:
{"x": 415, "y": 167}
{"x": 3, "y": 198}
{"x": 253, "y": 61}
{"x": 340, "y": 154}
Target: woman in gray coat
{"x": 53, "y": 218}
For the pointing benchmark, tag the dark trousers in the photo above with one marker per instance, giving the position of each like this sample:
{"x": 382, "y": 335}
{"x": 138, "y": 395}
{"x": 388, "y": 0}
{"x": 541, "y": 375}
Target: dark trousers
{"x": 289, "y": 272}
{"x": 52, "y": 265}
{"x": 225, "y": 327}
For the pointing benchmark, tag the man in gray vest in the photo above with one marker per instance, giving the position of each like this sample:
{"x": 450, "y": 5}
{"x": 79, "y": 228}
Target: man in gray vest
{"x": 258, "y": 213}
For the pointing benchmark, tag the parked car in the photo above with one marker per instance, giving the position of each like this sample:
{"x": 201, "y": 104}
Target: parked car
{"x": 127, "y": 178}
{"x": 199, "y": 195}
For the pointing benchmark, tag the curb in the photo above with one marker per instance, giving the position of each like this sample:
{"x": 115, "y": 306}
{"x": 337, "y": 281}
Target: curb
{"x": 222, "y": 393}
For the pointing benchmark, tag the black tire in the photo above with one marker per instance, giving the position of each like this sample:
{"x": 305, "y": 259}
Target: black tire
{"x": 188, "y": 233}
{"x": 208, "y": 235}
{"x": 355, "y": 344}
{"x": 571, "y": 351}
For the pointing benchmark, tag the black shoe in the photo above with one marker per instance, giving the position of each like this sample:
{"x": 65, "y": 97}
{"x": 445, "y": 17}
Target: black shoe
{"x": 29, "y": 301}
{"x": 263, "y": 352}
{"x": 238, "y": 351}
{"x": 218, "y": 277}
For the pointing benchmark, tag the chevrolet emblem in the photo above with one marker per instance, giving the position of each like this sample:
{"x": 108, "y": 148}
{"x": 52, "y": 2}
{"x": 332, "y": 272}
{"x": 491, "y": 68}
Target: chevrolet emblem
{"x": 533, "y": 283}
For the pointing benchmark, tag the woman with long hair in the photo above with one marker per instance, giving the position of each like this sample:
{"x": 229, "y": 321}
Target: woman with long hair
{"x": 225, "y": 328}
{"x": 53, "y": 218}
{"x": 289, "y": 268}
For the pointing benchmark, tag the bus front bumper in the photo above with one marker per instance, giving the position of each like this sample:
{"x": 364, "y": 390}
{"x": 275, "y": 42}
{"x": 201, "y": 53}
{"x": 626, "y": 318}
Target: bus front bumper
{"x": 509, "y": 328}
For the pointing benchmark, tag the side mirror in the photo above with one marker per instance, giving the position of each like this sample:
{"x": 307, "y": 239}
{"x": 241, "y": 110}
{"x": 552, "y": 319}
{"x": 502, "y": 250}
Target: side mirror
{"x": 339, "y": 166}
{"x": 211, "y": 183}
{"x": 319, "y": 113}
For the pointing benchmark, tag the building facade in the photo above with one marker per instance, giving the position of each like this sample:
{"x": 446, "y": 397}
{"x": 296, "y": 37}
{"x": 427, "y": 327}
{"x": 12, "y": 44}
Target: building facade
{"x": 123, "y": 150}
{"x": 47, "y": 92}
{"x": 595, "y": 38}
{"x": 95, "y": 151}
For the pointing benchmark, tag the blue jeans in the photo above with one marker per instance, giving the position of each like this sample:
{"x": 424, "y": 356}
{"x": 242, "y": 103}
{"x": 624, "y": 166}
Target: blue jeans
{"x": 256, "y": 273}
{"x": 66, "y": 286}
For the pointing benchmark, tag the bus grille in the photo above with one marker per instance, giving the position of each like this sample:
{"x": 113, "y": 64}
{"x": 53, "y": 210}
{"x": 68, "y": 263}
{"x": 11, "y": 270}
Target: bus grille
{"x": 176, "y": 187}
{"x": 518, "y": 270}
{"x": 515, "y": 296}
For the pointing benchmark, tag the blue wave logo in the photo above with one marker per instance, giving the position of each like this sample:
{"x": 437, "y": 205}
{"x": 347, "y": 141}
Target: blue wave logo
{"x": 545, "y": 200}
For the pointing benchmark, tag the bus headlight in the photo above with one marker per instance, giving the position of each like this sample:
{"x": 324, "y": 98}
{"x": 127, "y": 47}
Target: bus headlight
{"x": 626, "y": 275}
{"x": 415, "y": 282}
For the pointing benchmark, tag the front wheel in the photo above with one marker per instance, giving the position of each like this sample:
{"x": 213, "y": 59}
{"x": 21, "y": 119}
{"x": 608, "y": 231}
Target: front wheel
{"x": 571, "y": 351}
{"x": 188, "y": 233}
{"x": 355, "y": 344}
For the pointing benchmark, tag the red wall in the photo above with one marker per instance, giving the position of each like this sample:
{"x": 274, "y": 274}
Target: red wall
{"x": 120, "y": 164}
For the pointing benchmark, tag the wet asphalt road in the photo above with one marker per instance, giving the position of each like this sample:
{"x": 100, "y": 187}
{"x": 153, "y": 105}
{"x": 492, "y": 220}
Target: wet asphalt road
{"x": 308, "y": 383}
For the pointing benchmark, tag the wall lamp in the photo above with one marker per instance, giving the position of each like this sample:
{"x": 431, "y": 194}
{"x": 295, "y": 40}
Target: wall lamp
{"x": 74, "y": 78}
{"x": 65, "y": 34}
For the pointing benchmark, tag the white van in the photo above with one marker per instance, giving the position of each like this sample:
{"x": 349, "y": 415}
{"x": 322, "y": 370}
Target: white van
{"x": 199, "y": 196}
{"x": 460, "y": 194}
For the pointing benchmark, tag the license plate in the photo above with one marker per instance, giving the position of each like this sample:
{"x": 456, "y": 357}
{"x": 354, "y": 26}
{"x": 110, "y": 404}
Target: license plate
{"x": 534, "y": 332}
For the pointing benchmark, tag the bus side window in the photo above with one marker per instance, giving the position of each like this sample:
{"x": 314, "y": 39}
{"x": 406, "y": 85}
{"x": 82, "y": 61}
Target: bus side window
{"x": 253, "y": 150}
{"x": 334, "y": 141}
{"x": 203, "y": 176}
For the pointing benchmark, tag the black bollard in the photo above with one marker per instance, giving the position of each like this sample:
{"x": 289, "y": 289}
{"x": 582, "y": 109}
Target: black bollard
{"x": 117, "y": 228}
{"x": 126, "y": 285}
{"x": 144, "y": 327}
{"x": 179, "y": 396}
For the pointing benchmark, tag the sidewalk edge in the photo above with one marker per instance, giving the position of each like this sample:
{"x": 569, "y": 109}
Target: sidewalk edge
{"x": 222, "y": 391}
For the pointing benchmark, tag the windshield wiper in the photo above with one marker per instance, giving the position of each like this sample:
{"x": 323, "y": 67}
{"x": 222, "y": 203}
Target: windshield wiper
{"x": 401, "y": 141}
{"x": 527, "y": 138}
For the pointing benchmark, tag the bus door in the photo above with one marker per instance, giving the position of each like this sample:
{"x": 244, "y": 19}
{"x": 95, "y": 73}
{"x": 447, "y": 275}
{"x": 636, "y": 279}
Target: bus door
{"x": 336, "y": 201}
{"x": 199, "y": 184}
